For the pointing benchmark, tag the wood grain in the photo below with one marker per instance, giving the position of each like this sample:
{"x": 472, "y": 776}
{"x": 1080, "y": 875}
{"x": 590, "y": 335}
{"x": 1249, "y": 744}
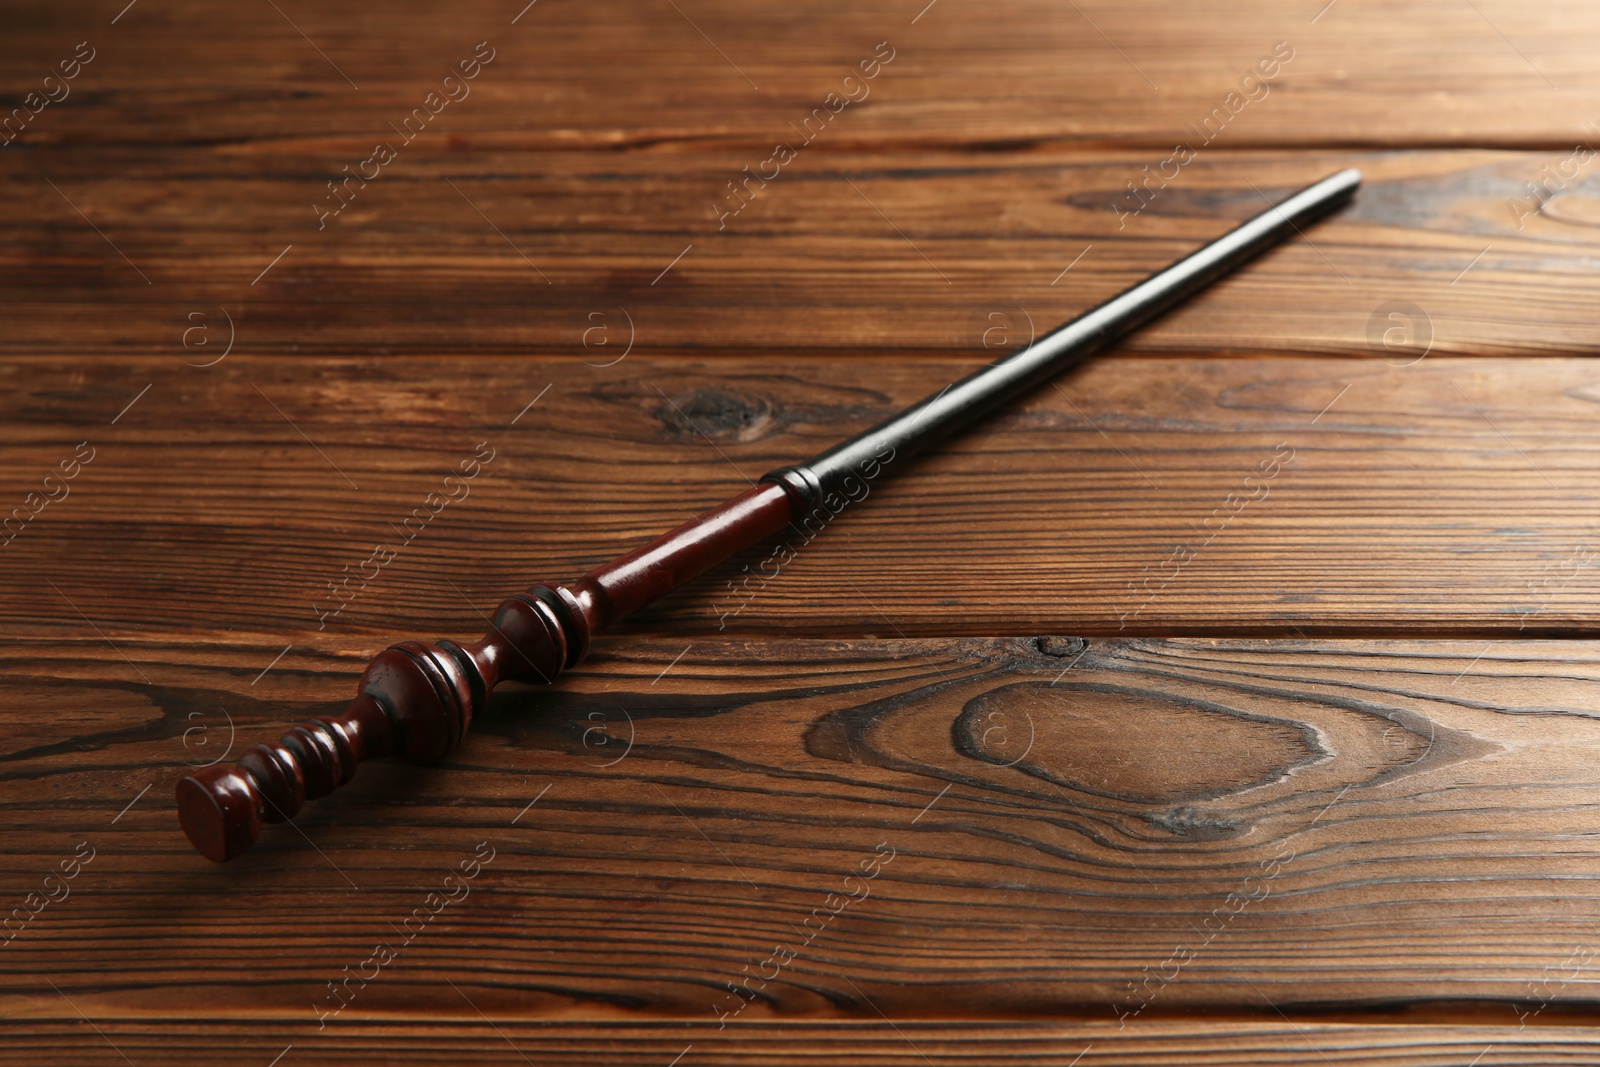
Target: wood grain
{"x": 901, "y": 1043}
{"x": 844, "y": 253}
{"x": 999, "y": 75}
{"x": 1450, "y": 496}
{"x": 1299, "y": 834}
{"x": 957, "y": 828}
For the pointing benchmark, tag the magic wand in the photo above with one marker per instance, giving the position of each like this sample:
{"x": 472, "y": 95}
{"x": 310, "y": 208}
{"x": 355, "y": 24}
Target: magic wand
{"x": 416, "y": 700}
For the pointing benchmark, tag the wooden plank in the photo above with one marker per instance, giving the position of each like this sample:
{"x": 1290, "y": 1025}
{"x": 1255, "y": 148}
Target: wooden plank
{"x": 960, "y": 828}
{"x": 1390, "y": 74}
{"x": 901, "y": 1043}
{"x": 846, "y": 252}
{"x": 1138, "y": 495}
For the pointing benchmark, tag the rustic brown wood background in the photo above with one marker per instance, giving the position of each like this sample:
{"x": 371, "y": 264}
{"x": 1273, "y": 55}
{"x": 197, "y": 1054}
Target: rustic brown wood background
{"x": 1139, "y": 777}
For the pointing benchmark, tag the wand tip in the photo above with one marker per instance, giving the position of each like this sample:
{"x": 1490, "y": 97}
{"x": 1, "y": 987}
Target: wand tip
{"x": 1342, "y": 183}
{"x": 220, "y": 809}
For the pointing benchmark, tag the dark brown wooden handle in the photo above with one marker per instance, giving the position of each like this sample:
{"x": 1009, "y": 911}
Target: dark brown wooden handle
{"x": 416, "y": 701}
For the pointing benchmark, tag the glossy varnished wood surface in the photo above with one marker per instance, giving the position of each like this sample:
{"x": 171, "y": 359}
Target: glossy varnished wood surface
{"x": 1349, "y": 718}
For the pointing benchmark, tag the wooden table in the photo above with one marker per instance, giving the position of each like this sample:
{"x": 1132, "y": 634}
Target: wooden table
{"x": 1073, "y": 746}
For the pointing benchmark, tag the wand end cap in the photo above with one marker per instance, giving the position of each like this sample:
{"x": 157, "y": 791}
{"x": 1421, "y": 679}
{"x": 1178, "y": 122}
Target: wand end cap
{"x": 220, "y": 809}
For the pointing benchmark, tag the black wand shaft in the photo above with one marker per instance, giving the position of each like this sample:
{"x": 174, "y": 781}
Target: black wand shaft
{"x": 980, "y": 393}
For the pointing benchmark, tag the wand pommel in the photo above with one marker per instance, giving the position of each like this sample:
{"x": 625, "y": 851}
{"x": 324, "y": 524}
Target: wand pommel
{"x": 415, "y": 701}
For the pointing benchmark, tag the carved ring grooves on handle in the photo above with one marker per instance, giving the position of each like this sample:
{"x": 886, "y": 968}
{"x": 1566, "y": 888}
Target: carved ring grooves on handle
{"x": 415, "y": 701}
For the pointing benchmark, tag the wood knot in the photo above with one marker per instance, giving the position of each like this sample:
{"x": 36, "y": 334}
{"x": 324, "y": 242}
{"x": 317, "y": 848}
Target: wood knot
{"x": 1194, "y": 823}
{"x": 1129, "y": 744}
{"x": 716, "y": 413}
{"x": 1059, "y": 646}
